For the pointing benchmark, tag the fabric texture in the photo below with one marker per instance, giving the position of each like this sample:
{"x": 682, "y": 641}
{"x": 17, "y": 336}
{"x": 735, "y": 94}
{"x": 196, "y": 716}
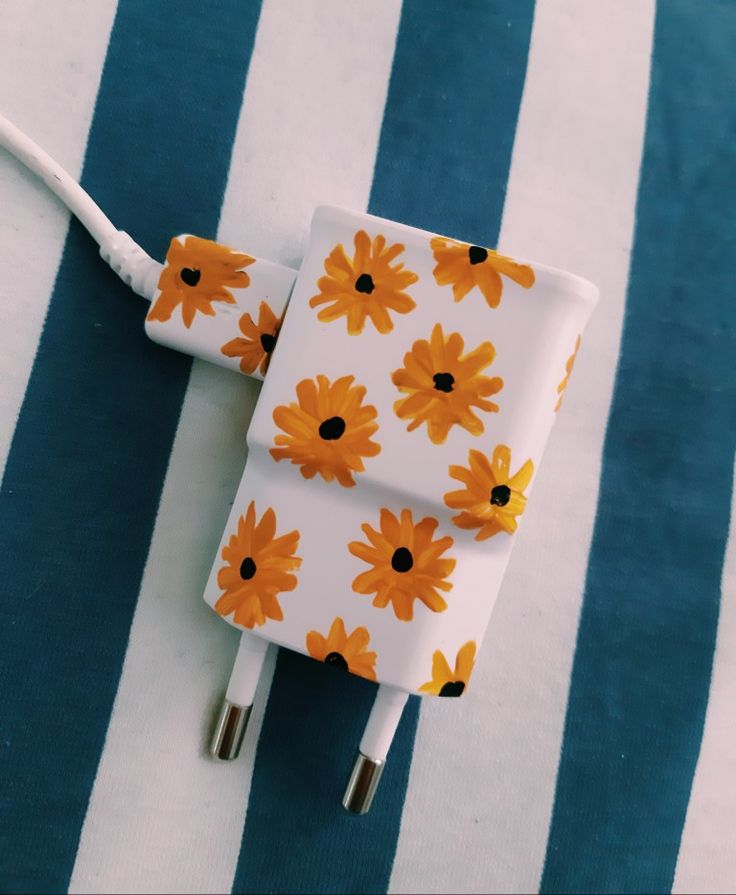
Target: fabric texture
{"x": 594, "y": 750}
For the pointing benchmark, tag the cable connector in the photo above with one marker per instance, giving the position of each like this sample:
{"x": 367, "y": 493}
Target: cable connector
{"x": 135, "y": 267}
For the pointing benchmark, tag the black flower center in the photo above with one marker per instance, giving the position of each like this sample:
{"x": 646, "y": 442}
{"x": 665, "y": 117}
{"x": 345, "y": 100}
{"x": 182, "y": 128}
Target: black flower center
{"x": 190, "y": 276}
{"x": 402, "y": 560}
{"x": 268, "y": 341}
{"x": 336, "y": 660}
{"x": 500, "y": 495}
{"x": 477, "y": 254}
{"x": 443, "y": 382}
{"x": 332, "y": 429}
{"x": 365, "y": 283}
{"x": 247, "y": 568}
{"x": 452, "y": 688}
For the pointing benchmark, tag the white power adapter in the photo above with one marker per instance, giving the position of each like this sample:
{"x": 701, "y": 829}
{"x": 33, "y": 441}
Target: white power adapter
{"x": 409, "y": 392}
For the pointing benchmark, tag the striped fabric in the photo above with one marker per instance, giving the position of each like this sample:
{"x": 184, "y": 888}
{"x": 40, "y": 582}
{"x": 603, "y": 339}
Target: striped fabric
{"x": 594, "y": 751}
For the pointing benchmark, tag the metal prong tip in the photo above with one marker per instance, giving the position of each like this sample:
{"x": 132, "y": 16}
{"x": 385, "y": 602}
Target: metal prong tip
{"x": 230, "y": 730}
{"x": 363, "y": 783}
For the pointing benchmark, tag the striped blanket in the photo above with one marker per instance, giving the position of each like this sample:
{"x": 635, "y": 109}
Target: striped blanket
{"x": 595, "y": 750}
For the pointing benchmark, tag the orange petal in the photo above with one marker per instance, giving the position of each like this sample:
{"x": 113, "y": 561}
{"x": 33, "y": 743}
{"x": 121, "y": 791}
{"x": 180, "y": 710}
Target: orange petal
{"x": 522, "y": 274}
{"x": 337, "y": 636}
{"x": 357, "y": 641}
{"x": 489, "y": 283}
{"x": 402, "y": 604}
{"x": 441, "y": 672}
{"x": 465, "y": 660}
{"x": 521, "y": 480}
{"x": 501, "y": 463}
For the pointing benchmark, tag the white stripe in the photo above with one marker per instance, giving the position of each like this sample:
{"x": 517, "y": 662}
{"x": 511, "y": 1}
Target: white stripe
{"x": 483, "y": 778}
{"x": 162, "y": 817}
{"x": 52, "y": 55}
{"x": 313, "y": 111}
{"x": 707, "y": 859}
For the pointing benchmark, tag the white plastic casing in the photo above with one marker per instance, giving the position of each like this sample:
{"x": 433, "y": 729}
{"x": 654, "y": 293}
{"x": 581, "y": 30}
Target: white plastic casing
{"x": 535, "y": 331}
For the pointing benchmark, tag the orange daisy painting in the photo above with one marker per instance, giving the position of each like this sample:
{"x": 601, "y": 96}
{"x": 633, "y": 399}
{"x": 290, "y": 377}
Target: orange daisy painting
{"x": 342, "y": 650}
{"x": 258, "y": 566}
{"x": 198, "y": 272}
{"x": 492, "y": 497}
{"x": 367, "y": 286}
{"x": 443, "y": 386}
{"x": 464, "y": 267}
{"x": 327, "y": 430}
{"x": 259, "y": 340}
{"x": 446, "y": 681}
{"x": 407, "y": 564}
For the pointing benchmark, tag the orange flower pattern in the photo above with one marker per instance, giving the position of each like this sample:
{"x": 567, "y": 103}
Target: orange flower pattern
{"x": 407, "y": 564}
{"x": 492, "y": 498}
{"x": 347, "y": 652}
{"x": 445, "y": 681}
{"x": 465, "y": 266}
{"x": 197, "y": 273}
{"x": 328, "y": 431}
{"x": 255, "y": 349}
{"x": 258, "y": 566}
{"x": 369, "y": 286}
{"x": 568, "y": 370}
{"x": 443, "y": 385}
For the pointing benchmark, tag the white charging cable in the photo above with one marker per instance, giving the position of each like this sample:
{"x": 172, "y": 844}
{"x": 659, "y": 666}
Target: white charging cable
{"x": 134, "y": 266}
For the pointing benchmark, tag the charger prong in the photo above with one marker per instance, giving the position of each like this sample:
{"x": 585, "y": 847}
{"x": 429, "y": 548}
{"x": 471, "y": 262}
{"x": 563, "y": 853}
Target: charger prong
{"x": 377, "y": 737}
{"x": 238, "y": 702}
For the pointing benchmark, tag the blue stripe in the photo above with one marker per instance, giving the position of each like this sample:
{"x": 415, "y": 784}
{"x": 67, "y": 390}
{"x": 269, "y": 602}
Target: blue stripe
{"x": 92, "y": 443}
{"x": 645, "y": 644}
{"x": 443, "y": 161}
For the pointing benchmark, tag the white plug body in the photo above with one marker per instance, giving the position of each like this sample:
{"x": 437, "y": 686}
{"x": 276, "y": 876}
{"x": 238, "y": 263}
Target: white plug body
{"x": 395, "y": 441}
